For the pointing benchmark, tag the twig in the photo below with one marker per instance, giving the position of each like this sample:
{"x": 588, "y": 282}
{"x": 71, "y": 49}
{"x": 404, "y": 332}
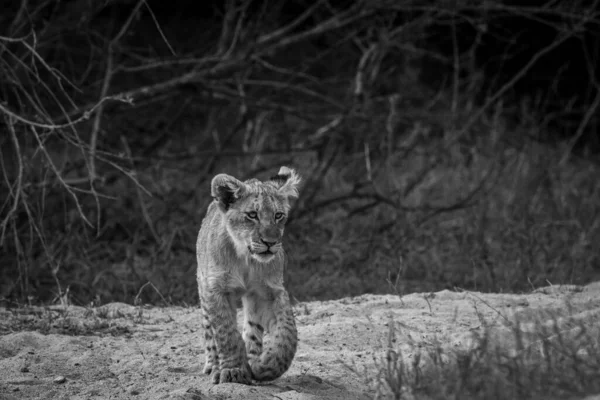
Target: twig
{"x": 487, "y": 304}
{"x": 59, "y": 176}
{"x": 158, "y": 28}
{"x": 285, "y": 71}
{"x": 105, "y": 86}
{"x": 589, "y": 114}
{"x": 19, "y": 181}
{"x": 390, "y": 123}
{"x": 281, "y": 32}
{"x": 85, "y": 116}
{"x": 139, "y": 293}
{"x": 140, "y": 196}
{"x": 337, "y": 21}
{"x": 511, "y": 82}
{"x": 368, "y": 161}
{"x": 225, "y": 49}
{"x": 297, "y": 88}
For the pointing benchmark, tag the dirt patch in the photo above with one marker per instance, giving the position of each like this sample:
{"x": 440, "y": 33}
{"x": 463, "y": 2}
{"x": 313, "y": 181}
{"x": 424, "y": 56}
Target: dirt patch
{"x": 121, "y": 352}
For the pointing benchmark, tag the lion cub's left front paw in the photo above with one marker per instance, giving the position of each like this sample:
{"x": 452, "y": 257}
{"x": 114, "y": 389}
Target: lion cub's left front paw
{"x": 233, "y": 375}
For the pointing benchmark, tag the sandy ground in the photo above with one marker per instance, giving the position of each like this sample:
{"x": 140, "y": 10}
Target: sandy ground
{"x": 120, "y": 351}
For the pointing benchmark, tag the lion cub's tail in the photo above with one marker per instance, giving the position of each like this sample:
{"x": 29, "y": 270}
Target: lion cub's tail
{"x": 280, "y": 349}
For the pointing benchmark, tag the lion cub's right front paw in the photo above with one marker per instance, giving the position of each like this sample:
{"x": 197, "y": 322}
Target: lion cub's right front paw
{"x": 233, "y": 375}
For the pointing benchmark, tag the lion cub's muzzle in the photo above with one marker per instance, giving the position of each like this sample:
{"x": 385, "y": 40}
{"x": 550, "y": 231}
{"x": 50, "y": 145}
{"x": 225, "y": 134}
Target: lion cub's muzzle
{"x": 264, "y": 250}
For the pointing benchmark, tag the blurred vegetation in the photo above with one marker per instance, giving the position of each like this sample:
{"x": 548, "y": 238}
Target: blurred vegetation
{"x": 549, "y": 356}
{"x": 422, "y": 169}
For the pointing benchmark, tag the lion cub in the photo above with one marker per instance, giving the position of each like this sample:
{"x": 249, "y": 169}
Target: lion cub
{"x": 240, "y": 254}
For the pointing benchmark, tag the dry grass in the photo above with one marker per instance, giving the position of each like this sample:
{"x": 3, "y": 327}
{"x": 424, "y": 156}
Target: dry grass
{"x": 533, "y": 360}
{"x": 70, "y": 321}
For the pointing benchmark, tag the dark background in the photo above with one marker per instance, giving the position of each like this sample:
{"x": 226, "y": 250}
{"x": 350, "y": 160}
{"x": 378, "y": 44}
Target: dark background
{"x": 442, "y": 144}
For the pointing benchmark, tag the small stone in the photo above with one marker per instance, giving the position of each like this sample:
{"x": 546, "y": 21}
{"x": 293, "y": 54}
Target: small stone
{"x": 24, "y": 369}
{"x": 60, "y": 379}
{"x": 583, "y": 353}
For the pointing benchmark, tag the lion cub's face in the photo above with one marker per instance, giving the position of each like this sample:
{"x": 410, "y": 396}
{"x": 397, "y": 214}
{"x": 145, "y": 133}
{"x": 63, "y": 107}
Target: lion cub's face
{"x": 255, "y": 211}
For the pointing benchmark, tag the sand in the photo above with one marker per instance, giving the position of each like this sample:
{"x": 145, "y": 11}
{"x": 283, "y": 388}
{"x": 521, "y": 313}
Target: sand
{"x": 119, "y": 351}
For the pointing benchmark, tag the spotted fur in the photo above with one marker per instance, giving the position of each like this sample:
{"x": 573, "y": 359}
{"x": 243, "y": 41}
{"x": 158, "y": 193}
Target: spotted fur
{"x": 240, "y": 255}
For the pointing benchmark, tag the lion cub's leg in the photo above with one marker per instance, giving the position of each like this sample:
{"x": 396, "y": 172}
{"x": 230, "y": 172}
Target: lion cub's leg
{"x": 231, "y": 352}
{"x": 253, "y": 329}
{"x": 275, "y": 314}
{"x": 212, "y": 357}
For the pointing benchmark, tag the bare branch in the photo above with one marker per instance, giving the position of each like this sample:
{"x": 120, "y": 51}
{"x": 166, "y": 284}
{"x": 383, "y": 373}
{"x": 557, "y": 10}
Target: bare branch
{"x": 18, "y": 186}
{"x": 281, "y": 32}
{"x": 58, "y": 175}
{"x": 105, "y": 87}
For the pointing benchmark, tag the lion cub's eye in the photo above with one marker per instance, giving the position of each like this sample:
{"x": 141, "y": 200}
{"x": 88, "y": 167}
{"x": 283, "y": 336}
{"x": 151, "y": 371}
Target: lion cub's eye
{"x": 278, "y": 215}
{"x": 252, "y": 215}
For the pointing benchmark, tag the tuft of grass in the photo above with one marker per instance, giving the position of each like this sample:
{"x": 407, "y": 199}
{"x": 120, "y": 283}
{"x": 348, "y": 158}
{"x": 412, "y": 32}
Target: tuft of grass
{"x": 549, "y": 359}
{"x": 75, "y": 321}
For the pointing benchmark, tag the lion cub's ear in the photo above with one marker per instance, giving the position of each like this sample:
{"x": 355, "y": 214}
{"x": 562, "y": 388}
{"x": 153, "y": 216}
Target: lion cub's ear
{"x": 287, "y": 181}
{"x": 226, "y": 190}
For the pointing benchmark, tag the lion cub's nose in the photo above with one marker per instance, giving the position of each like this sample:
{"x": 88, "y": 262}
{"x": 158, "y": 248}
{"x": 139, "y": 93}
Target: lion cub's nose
{"x": 267, "y": 243}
